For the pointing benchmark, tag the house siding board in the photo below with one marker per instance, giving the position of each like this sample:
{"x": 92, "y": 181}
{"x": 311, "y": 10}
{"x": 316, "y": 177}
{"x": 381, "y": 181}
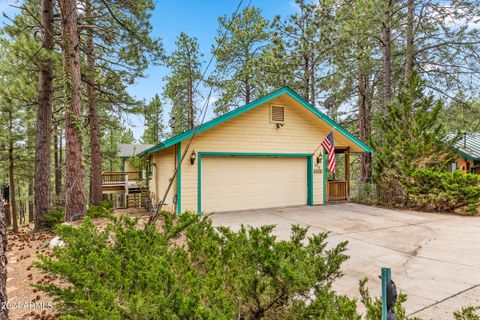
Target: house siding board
{"x": 163, "y": 171}
{"x": 281, "y": 95}
{"x": 252, "y": 132}
{"x": 128, "y": 167}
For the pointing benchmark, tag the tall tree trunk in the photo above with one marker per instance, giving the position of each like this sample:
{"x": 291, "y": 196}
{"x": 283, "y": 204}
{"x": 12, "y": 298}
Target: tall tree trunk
{"x": 247, "y": 91}
{"x": 43, "y": 201}
{"x": 306, "y": 77}
{"x": 13, "y": 199}
{"x": 365, "y": 118}
{"x": 96, "y": 154}
{"x": 3, "y": 261}
{"x": 21, "y": 207}
{"x": 60, "y": 160}
{"x": 30, "y": 201}
{"x": 8, "y": 217}
{"x": 75, "y": 201}
{"x": 11, "y": 173}
{"x": 190, "y": 102}
{"x": 312, "y": 83}
{"x": 387, "y": 57}
{"x": 57, "y": 149}
{"x": 410, "y": 49}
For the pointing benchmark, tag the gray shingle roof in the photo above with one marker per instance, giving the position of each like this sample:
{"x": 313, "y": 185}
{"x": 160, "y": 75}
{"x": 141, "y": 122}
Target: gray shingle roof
{"x": 469, "y": 146}
{"x": 128, "y": 150}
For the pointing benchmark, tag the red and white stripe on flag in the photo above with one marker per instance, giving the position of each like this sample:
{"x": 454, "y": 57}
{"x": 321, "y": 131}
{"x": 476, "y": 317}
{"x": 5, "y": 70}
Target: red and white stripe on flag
{"x": 329, "y": 146}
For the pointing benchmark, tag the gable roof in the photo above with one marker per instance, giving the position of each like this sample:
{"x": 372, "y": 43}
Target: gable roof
{"x": 127, "y": 150}
{"x": 469, "y": 146}
{"x": 285, "y": 90}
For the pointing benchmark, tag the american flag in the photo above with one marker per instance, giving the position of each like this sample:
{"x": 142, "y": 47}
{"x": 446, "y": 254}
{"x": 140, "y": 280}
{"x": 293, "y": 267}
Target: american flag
{"x": 329, "y": 147}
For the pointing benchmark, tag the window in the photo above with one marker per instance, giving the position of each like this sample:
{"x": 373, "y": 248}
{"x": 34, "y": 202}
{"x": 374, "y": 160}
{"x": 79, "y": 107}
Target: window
{"x": 277, "y": 114}
{"x": 453, "y": 166}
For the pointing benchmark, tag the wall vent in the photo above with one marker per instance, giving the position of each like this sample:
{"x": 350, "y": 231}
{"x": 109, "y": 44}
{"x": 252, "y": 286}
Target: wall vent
{"x": 277, "y": 114}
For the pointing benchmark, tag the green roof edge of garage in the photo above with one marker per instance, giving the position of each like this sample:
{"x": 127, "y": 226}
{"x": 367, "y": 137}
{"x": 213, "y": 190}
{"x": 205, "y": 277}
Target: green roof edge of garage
{"x": 285, "y": 90}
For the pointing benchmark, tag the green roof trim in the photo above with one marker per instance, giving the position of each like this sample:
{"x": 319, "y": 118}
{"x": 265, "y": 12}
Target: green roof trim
{"x": 285, "y": 90}
{"x": 468, "y": 146}
{"x": 466, "y": 155}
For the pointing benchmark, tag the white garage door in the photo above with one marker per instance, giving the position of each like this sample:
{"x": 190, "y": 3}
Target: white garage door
{"x": 240, "y": 183}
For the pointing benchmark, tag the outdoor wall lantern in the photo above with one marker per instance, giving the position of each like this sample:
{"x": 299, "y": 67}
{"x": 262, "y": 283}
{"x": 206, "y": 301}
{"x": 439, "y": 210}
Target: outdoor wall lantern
{"x": 193, "y": 157}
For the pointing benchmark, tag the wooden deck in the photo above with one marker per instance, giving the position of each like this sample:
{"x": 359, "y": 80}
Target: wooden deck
{"x": 114, "y": 178}
{"x": 128, "y": 185}
{"x": 337, "y": 190}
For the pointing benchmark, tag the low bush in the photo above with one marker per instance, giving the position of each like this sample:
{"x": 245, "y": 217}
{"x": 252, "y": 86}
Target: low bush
{"x": 373, "y": 306}
{"x": 468, "y": 313}
{"x": 55, "y": 217}
{"x": 191, "y": 270}
{"x": 443, "y": 191}
{"x": 103, "y": 210}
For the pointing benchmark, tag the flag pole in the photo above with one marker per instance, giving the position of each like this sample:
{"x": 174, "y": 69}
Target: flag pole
{"x": 333, "y": 128}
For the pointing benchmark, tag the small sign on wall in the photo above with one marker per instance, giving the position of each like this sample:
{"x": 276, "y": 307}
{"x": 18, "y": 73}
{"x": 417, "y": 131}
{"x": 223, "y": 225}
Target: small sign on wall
{"x": 317, "y": 168}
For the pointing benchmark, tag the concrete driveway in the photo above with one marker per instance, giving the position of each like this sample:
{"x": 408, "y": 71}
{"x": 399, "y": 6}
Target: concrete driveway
{"x": 435, "y": 258}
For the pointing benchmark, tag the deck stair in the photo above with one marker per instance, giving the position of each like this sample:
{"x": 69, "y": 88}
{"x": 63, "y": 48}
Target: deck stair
{"x": 138, "y": 197}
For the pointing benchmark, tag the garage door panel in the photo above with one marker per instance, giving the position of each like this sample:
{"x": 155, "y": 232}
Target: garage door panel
{"x": 240, "y": 183}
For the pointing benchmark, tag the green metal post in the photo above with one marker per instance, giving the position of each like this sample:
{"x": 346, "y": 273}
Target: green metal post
{"x": 386, "y": 276}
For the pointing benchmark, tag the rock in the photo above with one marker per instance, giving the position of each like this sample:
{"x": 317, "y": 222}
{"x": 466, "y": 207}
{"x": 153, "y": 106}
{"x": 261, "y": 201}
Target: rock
{"x": 56, "y": 242}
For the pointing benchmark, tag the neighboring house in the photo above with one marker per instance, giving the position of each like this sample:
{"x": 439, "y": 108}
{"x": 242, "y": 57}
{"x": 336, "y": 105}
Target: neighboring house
{"x": 126, "y": 151}
{"x": 125, "y": 188}
{"x": 264, "y": 154}
{"x": 468, "y": 150}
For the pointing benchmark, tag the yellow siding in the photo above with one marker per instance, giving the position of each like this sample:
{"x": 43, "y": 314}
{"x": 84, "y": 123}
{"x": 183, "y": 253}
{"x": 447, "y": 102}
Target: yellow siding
{"x": 253, "y": 132}
{"x": 129, "y": 167}
{"x": 163, "y": 168}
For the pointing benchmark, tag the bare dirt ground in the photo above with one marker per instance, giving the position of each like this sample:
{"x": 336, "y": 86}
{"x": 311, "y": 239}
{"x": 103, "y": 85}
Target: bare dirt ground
{"x": 25, "y": 301}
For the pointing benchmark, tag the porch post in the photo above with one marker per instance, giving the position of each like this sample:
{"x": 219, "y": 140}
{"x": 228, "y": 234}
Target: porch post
{"x": 347, "y": 171}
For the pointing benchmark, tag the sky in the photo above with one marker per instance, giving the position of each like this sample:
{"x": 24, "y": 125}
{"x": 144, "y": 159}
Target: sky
{"x": 197, "y": 18}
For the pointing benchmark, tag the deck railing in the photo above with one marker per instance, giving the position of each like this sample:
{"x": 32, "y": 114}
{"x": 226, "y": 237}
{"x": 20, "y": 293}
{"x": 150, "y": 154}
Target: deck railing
{"x": 133, "y": 175}
{"x": 337, "y": 190}
{"x": 109, "y": 178}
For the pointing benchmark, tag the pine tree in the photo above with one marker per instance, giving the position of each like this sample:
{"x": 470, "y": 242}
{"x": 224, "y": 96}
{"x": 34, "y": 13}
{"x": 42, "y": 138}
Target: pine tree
{"x": 236, "y": 76}
{"x": 110, "y": 59}
{"x": 182, "y": 83}
{"x": 413, "y": 135}
{"x": 17, "y": 91}
{"x": 115, "y": 133}
{"x": 75, "y": 200}
{"x": 3, "y": 261}
{"x": 154, "y": 127}
{"x": 93, "y": 115}
{"x": 42, "y": 186}
{"x": 308, "y": 36}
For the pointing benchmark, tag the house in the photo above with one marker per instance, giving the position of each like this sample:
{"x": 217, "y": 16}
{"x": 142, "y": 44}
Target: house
{"x": 264, "y": 154}
{"x": 127, "y": 151}
{"x": 468, "y": 150}
{"x": 126, "y": 188}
